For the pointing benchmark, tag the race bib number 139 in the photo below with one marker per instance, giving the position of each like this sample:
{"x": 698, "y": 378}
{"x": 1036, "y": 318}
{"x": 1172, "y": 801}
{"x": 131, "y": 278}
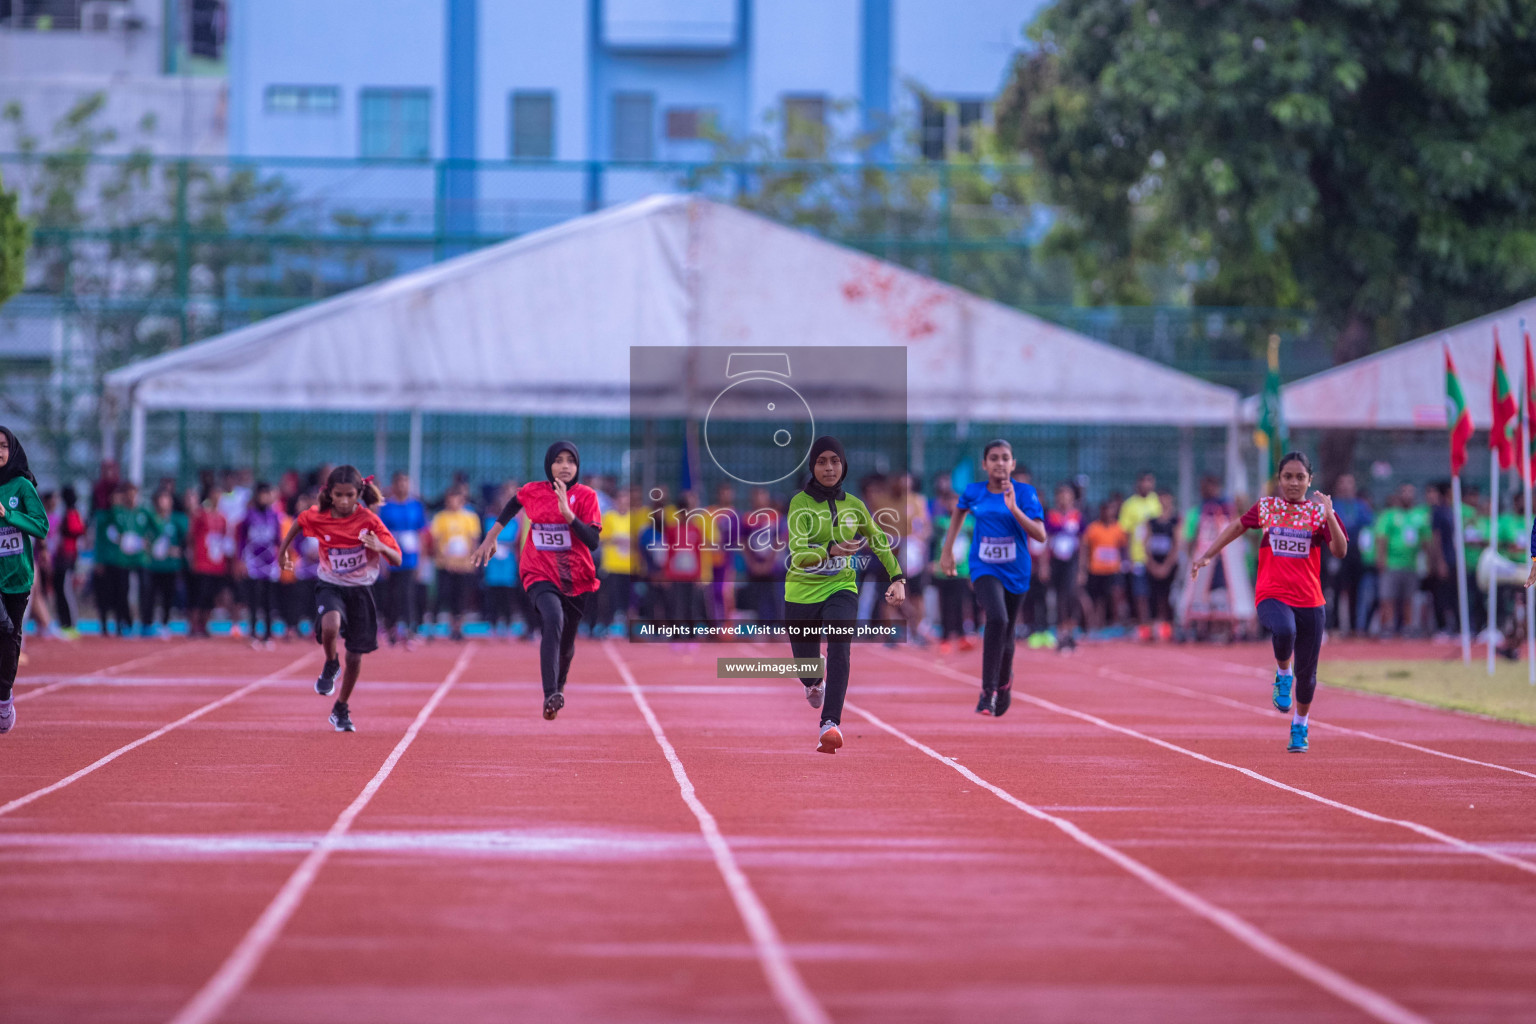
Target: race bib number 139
{"x": 551, "y": 536}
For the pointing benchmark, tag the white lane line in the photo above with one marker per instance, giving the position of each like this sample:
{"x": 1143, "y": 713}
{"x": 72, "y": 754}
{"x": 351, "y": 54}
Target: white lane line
{"x": 100, "y": 673}
{"x": 215, "y": 995}
{"x": 102, "y": 762}
{"x": 794, "y": 997}
{"x": 1367, "y": 1000}
{"x": 1424, "y": 830}
{"x": 1154, "y": 684}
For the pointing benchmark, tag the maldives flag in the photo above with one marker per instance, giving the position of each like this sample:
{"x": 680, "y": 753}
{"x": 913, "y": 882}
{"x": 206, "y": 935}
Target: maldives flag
{"x": 1505, "y": 410}
{"x": 1457, "y": 415}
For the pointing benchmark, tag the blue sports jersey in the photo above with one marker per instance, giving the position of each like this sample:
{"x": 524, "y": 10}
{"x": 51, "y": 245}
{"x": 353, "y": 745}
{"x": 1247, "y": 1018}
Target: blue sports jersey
{"x": 405, "y": 519}
{"x": 501, "y": 570}
{"x": 998, "y": 543}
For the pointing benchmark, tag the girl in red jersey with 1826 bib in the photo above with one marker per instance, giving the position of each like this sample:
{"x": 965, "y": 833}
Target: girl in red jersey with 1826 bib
{"x": 353, "y": 544}
{"x": 1290, "y": 589}
{"x": 555, "y": 562}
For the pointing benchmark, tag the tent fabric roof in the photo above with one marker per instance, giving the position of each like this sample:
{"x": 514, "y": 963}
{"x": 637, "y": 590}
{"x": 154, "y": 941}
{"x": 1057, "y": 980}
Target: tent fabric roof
{"x": 1403, "y": 388}
{"x": 543, "y": 325}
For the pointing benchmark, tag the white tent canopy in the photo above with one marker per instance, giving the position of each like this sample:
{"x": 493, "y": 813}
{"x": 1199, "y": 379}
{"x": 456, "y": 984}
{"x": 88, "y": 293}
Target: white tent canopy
{"x": 1403, "y": 388}
{"x": 543, "y": 325}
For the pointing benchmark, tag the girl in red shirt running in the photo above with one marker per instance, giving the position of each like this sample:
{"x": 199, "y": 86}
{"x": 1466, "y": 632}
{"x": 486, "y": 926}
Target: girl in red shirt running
{"x": 353, "y": 543}
{"x": 555, "y": 561}
{"x": 1289, "y": 589}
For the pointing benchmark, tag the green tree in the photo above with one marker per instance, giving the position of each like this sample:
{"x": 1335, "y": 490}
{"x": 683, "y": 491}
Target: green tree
{"x": 1372, "y": 162}
{"x": 13, "y": 245}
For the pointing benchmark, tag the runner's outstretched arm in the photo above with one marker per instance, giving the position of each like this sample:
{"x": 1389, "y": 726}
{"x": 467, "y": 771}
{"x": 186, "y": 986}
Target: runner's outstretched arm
{"x": 1228, "y": 534}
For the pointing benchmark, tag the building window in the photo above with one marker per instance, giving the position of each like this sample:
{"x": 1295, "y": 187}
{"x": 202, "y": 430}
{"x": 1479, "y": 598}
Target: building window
{"x": 396, "y": 124}
{"x": 949, "y": 126}
{"x": 303, "y": 99}
{"x": 688, "y": 123}
{"x": 805, "y": 127}
{"x": 533, "y": 126}
{"x": 634, "y": 133}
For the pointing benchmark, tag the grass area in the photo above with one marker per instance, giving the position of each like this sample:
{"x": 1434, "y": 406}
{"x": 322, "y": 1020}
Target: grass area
{"x": 1446, "y": 684}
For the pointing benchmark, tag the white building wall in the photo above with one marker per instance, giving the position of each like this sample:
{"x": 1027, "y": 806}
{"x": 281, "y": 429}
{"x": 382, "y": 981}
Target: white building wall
{"x": 534, "y": 46}
{"x": 804, "y": 47}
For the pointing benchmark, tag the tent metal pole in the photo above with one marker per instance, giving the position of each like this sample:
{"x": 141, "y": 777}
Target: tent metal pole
{"x": 380, "y": 447}
{"x": 1186, "y": 467}
{"x": 1237, "y": 482}
{"x": 414, "y": 467}
{"x": 137, "y": 422}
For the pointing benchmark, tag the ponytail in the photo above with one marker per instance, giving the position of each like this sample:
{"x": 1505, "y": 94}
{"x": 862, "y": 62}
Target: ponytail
{"x": 367, "y": 490}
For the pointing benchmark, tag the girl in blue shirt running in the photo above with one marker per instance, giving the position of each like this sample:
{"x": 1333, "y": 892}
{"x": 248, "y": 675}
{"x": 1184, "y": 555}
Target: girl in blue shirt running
{"x": 1007, "y": 514}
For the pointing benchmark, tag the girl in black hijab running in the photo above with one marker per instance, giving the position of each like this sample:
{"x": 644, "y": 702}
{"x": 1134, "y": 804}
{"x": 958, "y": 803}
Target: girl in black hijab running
{"x": 556, "y": 563}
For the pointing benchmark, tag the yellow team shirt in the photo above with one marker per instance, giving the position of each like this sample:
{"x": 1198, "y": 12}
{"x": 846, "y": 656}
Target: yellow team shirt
{"x": 1135, "y": 513}
{"x": 454, "y": 535}
{"x": 618, "y": 547}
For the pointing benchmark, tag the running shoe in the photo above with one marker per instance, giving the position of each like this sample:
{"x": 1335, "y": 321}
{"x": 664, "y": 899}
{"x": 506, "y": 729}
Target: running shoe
{"x": 552, "y": 705}
{"x": 1298, "y": 738}
{"x": 945, "y": 647}
{"x": 326, "y": 684}
{"x": 815, "y": 692}
{"x": 1002, "y": 700}
{"x": 831, "y": 738}
{"x": 7, "y": 715}
{"x": 1281, "y": 697}
{"x": 341, "y": 717}
{"x": 967, "y": 644}
{"x": 984, "y": 704}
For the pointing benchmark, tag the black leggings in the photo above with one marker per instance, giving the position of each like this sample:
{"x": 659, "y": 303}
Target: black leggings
{"x": 112, "y": 598}
{"x": 157, "y": 593}
{"x": 559, "y": 618}
{"x": 13, "y": 608}
{"x": 842, "y": 606}
{"x": 1001, "y": 607}
{"x": 951, "y": 605}
{"x": 63, "y": 600}
{"x": 261, "y": 601}
{"x": 1298, "y": 631}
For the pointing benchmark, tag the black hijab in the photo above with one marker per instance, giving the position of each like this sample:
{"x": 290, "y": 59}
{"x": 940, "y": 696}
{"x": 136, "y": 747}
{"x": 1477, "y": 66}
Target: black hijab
{"x": 813, "y": 487}
{"x": 549, "y": 461}
{"x": 16, "y": 465}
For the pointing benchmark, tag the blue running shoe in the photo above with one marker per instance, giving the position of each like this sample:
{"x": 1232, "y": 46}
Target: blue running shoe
{"x": 1298, "y": 738}
{"x": 1281, "y": 697}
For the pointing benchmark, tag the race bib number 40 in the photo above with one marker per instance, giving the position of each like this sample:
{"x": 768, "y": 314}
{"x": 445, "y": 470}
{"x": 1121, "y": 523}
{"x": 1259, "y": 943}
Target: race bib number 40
{"x": 996, "y": 550}
{"x": 348, "y": 560}
{"x": 551, "y": 536}
{"x": 10, "y": 541}
{"x": 1289, "y": 542}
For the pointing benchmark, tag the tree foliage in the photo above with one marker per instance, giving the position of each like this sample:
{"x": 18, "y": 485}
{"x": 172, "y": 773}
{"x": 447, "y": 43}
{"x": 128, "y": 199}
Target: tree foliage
{"x": 13, "y": 245}
{"x": 1371, "y": 161}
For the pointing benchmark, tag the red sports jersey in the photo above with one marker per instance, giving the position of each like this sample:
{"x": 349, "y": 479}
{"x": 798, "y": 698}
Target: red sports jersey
{"x": 550, "y": 552}
{"x": 1290, "y": 552}
{"x": 206, "y": 542}
{"x": 343, "y": 559}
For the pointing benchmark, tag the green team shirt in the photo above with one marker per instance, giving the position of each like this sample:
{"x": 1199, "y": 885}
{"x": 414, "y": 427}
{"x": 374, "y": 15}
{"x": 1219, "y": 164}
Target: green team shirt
{"x": 1513, "y": 537}
{"x": 962, "y": 545}
{"x": 1474, "y": 533}
{"x": 1403, "y": 531}
{"x": 167, "y": 550}
{"x": 123, "y": 537}
{"x": 811, "y": 575}
{"x": 24, "y": 522}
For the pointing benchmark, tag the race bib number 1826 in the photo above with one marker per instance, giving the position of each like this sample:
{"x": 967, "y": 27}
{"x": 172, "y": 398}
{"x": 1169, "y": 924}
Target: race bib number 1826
{"x": 1289, "y": 542}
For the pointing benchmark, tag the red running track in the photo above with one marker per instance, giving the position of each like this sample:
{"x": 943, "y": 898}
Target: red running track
{"x": 1131, "y": 842}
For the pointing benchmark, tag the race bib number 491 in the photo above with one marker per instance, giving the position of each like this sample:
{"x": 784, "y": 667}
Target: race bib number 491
{"x": 10, "y": 541}
{"x": 551, "y": 536}
{"x": 996, "y": 550}
{"x": 1289, "y": 542}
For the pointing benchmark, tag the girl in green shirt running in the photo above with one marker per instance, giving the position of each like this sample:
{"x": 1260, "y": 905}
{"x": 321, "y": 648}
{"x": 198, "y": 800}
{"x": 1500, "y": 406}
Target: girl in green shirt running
{"x": 22, "y": 520}
{"x": 827, "y": 526}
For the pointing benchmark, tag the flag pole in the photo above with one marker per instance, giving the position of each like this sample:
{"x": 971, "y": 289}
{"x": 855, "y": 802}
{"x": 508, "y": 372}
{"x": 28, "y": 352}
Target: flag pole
{"x": 1461, "y": 574}
{"x": 1525, "y": 473}
{"x": 1493, "y": 576}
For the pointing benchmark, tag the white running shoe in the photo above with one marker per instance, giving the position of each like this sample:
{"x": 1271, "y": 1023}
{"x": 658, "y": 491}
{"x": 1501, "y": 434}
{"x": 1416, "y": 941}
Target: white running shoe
{"x": 831, "y": 739}
{"x": 814, "y": 693}
{"x": 7, "y": 714}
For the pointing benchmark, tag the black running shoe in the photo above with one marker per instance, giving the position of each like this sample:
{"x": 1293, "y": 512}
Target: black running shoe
{"x": 326, "y": 684}
{"x": 1002, "y": 700}
{"x": 984, "y": 705}
{"x": 341, "y": 718}
{"x": 552, "y": 705}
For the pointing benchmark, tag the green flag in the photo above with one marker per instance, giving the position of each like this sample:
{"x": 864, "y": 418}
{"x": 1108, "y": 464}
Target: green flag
{"x": 1271, "y": 434}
